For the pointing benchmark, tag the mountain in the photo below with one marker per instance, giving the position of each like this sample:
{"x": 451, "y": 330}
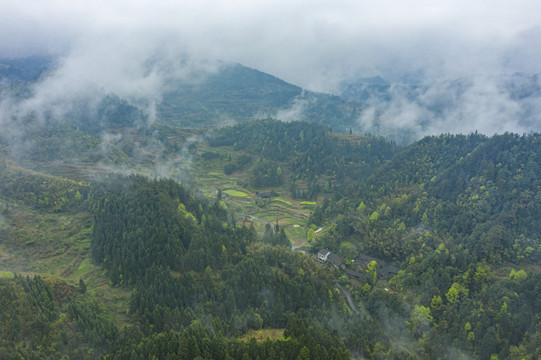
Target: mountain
{"x": 236, "y": 93}
{"x": 231, "y": 94}
{"x": 377, "y": 89}
{"x": 403, "y": 109}
{"x": 104, "y": 129}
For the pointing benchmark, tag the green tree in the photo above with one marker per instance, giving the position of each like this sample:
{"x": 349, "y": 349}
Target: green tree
{"x": 310, "y": 235}
{"x": 372, "y": 271}
{"x": 304, "y": 354}
{"x": 454, "y": 292}
{"x": 348, "y": 250}
{"x": 518, "y": 276}
{"x": 420, "y": 320}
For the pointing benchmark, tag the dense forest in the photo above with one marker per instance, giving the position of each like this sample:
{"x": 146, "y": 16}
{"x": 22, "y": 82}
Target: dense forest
{"x": 462, "y": 214}
{"x": 198, "y": 282}
{"x": 456, "y": 216}
{"x": 51, "y": 320}
{"x": 316, "y": 158}
{"x": 311, "y": 150}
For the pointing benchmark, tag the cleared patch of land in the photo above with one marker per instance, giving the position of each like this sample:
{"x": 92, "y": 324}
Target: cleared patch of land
{"x": 262, "y": 335}
{"x": 56, "y": 246}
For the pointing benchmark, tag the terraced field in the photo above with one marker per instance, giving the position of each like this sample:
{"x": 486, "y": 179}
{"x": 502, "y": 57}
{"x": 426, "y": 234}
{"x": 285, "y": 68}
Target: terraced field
{"x": 241, "y": 198}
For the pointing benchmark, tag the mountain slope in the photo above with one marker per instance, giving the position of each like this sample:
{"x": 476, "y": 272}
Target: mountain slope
{"x": 238, "y": 94}
{"x": 462, "y": 216}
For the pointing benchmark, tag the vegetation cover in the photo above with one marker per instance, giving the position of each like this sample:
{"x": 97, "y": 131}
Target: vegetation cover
{"x": 444, "y": 236}
{"x": 461, "y": 214}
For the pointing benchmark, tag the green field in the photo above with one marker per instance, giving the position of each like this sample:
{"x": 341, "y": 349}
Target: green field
{"x": 235, "y": 193}
{"x": 283, "y": 201}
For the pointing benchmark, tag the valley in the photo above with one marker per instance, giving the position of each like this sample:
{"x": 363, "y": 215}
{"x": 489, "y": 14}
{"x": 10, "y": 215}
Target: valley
{"x": 125, "y": 238}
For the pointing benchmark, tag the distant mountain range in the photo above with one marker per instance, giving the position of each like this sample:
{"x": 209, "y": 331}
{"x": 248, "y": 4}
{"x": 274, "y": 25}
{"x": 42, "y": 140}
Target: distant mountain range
{"x": 402, "y": 110}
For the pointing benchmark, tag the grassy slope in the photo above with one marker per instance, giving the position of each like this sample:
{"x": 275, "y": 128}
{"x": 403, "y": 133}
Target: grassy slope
{"x": 53, "y": 244}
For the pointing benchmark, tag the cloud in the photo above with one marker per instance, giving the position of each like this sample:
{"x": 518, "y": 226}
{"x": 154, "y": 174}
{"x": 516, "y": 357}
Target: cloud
{"x": 488, "y": 104}
{"x": 296, "y": 111}
{"x": 135, "y": 48}
{"x": 304, "y": 42}
{"x": 132, "y": 66}
{"x": 149, "y": 158}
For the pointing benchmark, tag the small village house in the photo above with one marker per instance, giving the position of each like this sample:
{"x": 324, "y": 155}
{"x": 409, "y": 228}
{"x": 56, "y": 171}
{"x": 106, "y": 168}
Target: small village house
{"x": 323, "y": 254}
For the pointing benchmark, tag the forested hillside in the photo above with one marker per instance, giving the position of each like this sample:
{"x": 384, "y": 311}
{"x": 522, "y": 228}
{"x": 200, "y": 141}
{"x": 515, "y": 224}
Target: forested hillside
{"x": 316, "y": 158}
{"x": 235, "y": 93}
{"x": 192, "y": 273}
{"x": 456, "y": 188}
{"x": 312, "y": 150}
{"x": 462, "y": 215}
{"x": 439, "y": 241}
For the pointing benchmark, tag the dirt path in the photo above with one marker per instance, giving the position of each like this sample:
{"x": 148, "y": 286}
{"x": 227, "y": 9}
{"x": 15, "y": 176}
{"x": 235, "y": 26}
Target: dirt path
{"x": 350, "y": 301}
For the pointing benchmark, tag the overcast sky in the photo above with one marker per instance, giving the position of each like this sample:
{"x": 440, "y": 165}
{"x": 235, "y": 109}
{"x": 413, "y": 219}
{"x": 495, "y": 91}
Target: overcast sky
{"x": 134, "y": 48}
{"x": 311, "y": 43}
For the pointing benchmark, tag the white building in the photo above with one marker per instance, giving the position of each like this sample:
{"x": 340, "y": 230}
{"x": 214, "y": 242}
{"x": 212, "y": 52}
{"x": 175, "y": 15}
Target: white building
{"x": 323, "y": 254}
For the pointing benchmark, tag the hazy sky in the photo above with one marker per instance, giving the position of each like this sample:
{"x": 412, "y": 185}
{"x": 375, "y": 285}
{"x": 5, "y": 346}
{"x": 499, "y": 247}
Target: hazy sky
{"x": 310, "y": 43}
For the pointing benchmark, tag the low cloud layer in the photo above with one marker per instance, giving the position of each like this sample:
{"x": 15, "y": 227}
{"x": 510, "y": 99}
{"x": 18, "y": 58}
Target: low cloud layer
{"x": 134, "y": 48}
{"x": 487, "y": 104}
{"x": 304, "y": 42}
